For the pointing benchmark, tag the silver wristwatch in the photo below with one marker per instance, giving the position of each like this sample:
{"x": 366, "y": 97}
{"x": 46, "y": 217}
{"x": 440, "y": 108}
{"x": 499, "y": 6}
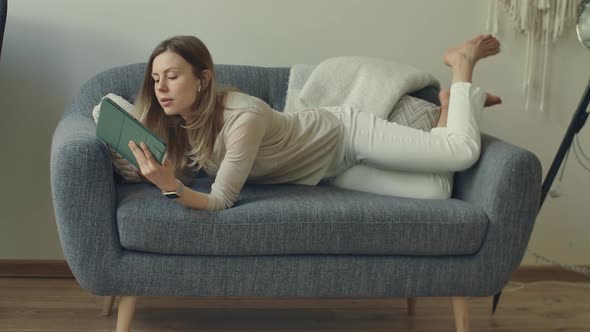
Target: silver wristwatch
{"x": 174, "y": 194}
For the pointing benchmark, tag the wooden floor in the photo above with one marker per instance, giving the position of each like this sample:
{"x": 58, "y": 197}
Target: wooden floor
{"x": 30, "y": 304}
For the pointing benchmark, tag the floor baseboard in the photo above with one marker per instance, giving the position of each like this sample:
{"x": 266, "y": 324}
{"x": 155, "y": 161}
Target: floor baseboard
{"x": 12, "y": 268}
{"x": 60, "y": 269}
{"x": 532, "y": 273}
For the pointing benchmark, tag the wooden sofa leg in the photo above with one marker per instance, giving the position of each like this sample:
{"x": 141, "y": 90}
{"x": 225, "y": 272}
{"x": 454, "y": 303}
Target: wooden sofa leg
{"x": 107, "y": 306}
{"x": 411, "y": 306}
{"x": 126, "y": 312}
{"x": 461, "y": 312}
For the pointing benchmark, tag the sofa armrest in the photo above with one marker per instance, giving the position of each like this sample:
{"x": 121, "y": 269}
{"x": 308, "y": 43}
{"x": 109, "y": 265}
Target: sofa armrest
{"x": 504, "y": 172}
{"x": 506, "y": 184}
{"x": 84, "y": 199}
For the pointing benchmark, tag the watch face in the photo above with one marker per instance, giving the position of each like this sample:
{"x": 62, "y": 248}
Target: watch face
{"x": 172, "y": 195}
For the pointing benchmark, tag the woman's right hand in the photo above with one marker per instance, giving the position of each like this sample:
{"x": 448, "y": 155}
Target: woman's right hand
{"x": 143, "y": 178}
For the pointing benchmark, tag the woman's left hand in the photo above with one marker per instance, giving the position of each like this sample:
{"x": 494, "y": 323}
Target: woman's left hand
{"x": 160, "y": 175}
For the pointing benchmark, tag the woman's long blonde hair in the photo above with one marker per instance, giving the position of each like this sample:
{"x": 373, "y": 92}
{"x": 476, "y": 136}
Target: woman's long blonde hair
{"x": 189, "y": 143}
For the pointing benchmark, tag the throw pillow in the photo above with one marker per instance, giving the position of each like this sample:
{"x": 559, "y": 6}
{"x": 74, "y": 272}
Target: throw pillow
{"x": 415, "y": 112}
{"x": 122, "y": 166}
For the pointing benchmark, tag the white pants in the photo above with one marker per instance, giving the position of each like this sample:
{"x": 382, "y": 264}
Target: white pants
{"x": 386, "y": 158}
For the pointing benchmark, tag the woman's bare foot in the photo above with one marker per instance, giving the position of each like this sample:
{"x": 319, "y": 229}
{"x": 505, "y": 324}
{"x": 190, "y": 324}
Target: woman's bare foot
{"x": 492, "y": 100}
{"x": 462, "y": 60}
{"x": 472, "y": 50}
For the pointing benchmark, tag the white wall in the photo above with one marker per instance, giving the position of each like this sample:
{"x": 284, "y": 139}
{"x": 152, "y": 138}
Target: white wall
{"x": 52, "y": 47}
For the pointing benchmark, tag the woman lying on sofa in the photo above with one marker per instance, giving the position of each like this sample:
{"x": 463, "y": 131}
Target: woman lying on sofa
{"x": 235, "y": 137}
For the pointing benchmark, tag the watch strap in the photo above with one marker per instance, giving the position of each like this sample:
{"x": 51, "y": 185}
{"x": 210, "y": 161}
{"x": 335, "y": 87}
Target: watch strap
{"x": 176, "y": 193}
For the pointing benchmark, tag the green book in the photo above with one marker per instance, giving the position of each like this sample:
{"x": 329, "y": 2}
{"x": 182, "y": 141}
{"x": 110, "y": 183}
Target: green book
{"x": 116, "y": 128}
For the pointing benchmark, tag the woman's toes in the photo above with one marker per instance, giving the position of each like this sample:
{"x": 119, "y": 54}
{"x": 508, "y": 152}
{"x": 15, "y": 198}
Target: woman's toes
{"x": 492, "y": 100}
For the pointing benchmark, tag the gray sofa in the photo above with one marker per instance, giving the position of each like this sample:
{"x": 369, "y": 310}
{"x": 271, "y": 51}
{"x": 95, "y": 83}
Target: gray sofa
{"x": 128, "y": 240}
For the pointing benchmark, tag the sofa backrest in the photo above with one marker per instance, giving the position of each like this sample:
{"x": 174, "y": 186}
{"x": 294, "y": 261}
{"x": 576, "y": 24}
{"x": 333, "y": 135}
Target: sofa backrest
{"x": 270, "y": 84}
{"x": 267, "y": 83}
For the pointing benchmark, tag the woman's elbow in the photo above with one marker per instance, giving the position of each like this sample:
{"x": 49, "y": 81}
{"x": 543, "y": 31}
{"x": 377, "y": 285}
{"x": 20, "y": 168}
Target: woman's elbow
{"x": 219, "y": 204}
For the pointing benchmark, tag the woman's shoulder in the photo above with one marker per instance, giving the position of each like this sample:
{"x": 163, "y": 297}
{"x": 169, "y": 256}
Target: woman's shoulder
{"x": 241, "y": 100}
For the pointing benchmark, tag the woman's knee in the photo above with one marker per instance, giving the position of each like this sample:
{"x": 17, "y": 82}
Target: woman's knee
{"x": 469, "y": 155}
{"x": 441, "y": 187}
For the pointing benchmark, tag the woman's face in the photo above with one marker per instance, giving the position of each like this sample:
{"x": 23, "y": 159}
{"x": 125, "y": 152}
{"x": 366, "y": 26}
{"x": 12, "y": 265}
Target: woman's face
{"x": 175, "y": 84}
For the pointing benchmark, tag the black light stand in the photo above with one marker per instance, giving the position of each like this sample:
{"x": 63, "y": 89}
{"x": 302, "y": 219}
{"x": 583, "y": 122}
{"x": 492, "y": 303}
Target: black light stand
{"x": 578, "y": 121}
{"x": 3, "y": 14}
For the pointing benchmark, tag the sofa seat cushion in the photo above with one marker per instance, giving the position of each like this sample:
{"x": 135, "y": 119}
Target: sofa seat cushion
{"x": 297, "y": 219}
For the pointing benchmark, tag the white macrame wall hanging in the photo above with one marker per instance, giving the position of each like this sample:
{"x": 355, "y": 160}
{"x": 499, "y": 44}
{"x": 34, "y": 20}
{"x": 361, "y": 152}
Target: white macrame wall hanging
{"x": 544, "y": 22}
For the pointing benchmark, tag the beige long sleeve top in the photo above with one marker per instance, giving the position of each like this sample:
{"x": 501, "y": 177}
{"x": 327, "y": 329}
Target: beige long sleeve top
{"x": 260, "y": 145}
